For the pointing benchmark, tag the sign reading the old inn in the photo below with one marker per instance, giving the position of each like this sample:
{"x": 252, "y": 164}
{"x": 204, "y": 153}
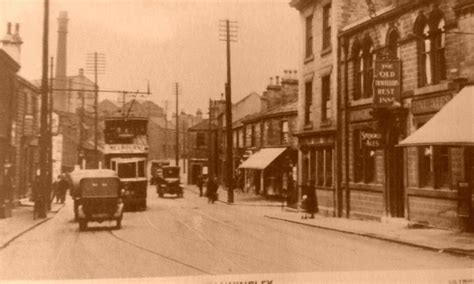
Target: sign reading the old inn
{"x": 386, "y": 83}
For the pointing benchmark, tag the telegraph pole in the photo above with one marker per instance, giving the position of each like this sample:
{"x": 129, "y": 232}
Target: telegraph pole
{"x": 210, "y": 172}
{"x": 50, "y": 131}
{"x": 96, "y": 63}
{"x": 40, "y": 190}
{"x": 177, "y": 126}
{"x": 228, "y": 33}
{"x": 166, "y": 129}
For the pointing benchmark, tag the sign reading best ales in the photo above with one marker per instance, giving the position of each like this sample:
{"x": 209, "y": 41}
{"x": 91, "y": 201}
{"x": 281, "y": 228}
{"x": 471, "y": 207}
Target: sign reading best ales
{"x": 387, "y": 79}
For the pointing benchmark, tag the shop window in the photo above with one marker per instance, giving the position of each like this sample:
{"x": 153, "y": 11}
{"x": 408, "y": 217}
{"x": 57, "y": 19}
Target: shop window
{"x": 320, "y": 168}
{"x": 328, "y": 166}
{"x": 312, "y": 164}
{"x": 324, "y": 167}
{"x": 433, "y": 166}
{"x": 284, "y": 132}
{"x": 364, "y": 160}
{"x": 308, "y": 94}
{"x": 309, "y": 36}
{"x": 327, "y": 26}
{"x": 326, "y": 98}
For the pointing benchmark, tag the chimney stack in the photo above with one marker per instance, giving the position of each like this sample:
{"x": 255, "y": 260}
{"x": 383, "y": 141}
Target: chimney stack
{"x": 11, "y": 43}
{"x": 60, "y": 97}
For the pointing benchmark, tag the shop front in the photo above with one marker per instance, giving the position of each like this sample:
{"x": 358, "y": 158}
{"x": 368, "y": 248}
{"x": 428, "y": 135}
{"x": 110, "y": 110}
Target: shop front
{"x": 317, "y": 156}
{"x": 269, "y": 172}
{"x": 440, "y": 161}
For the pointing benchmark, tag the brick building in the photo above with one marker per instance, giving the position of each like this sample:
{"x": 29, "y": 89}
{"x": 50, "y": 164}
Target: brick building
{"x": 268, "y": 144}
{"x": 427, "y": 42}
{"x": 8, "y": 83}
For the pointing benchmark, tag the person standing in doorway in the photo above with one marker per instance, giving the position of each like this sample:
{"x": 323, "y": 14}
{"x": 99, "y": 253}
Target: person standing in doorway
{"x": 311, "y": 199}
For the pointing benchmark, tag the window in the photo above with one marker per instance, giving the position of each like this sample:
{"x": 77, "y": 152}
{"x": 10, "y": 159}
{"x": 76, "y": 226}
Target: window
{"x": 284, "y": 132}
{"x": 312, "y": 161}
{"x": 433, "y": 166}
{"x": 392, "y": 44}
{"x": 252, "y": 137}
{"x": 369, "y": 74}
{"x": 327, "y": 26}
{"x": 364, "y": 57}
{"x": 324, "y": 168}
{"x": 127, "y": 170}
{"x": 326, "y": 98}
{"x": 364, "y": 160}
{"x": 431, "y": 48}
{"x": 141, "y": 168}
{"x": 200, "y": 139}
{"x": 308, "y": 94}
{"x": 439, "y": 41}
{"x": 309, "y": 36}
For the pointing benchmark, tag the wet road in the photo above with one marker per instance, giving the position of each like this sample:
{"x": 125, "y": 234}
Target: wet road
{"x": 183, "y": 237}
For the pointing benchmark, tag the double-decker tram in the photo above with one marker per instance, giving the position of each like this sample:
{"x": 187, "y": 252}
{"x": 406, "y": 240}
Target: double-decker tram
{"x": 126, "y": 152}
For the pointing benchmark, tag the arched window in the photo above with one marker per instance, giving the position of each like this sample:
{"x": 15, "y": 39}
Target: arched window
{"x": 426, "y": 56}
{"x": 392, "y": 44}
{"x": 357, "y": 54}
{"x": 439, "y": 42}
{"x": 364, "y": 57}
{"x": 431, "y": 48}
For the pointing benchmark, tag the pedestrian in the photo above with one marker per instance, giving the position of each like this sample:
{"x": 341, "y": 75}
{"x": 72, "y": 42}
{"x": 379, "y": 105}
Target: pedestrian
{"x": 211, "y": 190}
{"x": 63, "y": 186}
{"x": 55, "y": 190}
{"x": 311, "y": 199}
{"x": 199, "y": 183}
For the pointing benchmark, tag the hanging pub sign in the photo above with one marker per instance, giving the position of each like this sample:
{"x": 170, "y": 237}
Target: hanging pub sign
{"x": 387, "y": 79}
{"x": 371, "y": 139}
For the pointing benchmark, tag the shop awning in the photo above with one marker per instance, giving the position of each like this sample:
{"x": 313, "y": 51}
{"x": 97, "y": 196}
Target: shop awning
{"x": 452, "y": 125}
{"x": 262, "y": 158}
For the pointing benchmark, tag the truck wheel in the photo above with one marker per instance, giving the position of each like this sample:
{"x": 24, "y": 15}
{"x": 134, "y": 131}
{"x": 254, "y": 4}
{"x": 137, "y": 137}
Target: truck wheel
{"x": 119, "y": 223}
{"x": 76, "y": 214}
{"x": 160, "y": 195}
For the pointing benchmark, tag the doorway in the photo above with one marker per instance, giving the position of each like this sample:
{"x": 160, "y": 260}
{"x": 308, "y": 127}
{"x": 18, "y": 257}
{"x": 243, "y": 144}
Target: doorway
{"x": 196, "y": 170}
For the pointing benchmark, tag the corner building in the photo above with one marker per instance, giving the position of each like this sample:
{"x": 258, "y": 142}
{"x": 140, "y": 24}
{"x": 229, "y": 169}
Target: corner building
{"x": 432, "y": 44}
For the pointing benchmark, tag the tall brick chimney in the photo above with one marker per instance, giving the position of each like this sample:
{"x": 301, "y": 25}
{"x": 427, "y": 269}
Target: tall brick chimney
{"x": 60, "y": 99}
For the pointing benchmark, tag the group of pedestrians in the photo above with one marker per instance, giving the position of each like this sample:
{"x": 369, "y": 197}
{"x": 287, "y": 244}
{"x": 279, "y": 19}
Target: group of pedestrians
{"x": 60, "y": 187}
{"x": 211, "y": 188}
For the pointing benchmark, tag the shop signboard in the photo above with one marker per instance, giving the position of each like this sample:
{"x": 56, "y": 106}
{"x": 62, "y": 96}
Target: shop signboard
{"x": 387, "y": 79}
{"x": 371, "y": 139}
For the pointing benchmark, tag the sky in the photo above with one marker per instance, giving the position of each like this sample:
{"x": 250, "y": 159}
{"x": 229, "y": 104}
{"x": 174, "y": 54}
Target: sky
{"x": 165, "y": 41}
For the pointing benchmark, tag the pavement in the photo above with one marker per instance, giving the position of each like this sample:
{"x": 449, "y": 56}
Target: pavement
{"x": 392, "y": 230}
{"x": 453, "y": 242}
{"x": 22, "y": 221}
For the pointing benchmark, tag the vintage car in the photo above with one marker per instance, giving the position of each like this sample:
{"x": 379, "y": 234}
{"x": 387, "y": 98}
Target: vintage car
{"x": 169, "y": 182}
{"x": 156, "y": 169}
{"x": 97, "y": 197}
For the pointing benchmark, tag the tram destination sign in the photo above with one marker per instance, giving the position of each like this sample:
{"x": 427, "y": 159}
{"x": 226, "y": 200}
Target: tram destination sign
{"x": 387, "y": 79}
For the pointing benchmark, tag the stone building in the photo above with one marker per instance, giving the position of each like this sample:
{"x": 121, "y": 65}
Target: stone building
{"x": 318, "y": 103}
{"x": 426, "y": 48}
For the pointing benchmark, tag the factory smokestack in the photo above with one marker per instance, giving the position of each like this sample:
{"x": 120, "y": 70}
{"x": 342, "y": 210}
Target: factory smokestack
{"x": 60, "y": 99}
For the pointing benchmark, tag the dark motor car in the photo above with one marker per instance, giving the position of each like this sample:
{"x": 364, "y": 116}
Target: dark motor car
{"x": 169, "y": 182}
{"x": 97, "y": 197}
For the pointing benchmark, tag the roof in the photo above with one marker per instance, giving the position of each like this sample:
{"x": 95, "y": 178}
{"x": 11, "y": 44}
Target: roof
{"x": 202, "y": 126}
{"x": 288, "y": 108}
{"x": 453, "y": 125}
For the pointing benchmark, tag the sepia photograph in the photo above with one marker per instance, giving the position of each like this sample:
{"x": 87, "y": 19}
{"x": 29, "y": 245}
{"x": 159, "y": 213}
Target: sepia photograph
{"x": 237, "y": 141}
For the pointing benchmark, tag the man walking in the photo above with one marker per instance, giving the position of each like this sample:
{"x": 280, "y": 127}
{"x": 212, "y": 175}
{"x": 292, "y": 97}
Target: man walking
{"x": 211, "y": 190}
{"x": 62, "y": 186}
{"x": 199, "y": 183}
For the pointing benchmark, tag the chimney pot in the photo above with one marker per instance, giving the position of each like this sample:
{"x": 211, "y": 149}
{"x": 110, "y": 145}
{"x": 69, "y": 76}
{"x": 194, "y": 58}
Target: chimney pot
{"x": 271, "y": 81}
{"x": 277, "y": 80}
{"x": 81, "y": 72}
{"x": 17, "y": 28}
{"x": 9, "y": 28}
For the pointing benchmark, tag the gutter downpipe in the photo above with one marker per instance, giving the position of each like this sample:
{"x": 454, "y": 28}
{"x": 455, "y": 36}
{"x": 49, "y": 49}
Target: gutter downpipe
{"x": 338, "y": 200}
{"x": 345, "y": 45}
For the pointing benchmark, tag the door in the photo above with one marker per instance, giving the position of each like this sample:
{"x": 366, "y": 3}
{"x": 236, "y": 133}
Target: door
{"x": 196, "y": 170}
{"x": 395, "y": 165}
